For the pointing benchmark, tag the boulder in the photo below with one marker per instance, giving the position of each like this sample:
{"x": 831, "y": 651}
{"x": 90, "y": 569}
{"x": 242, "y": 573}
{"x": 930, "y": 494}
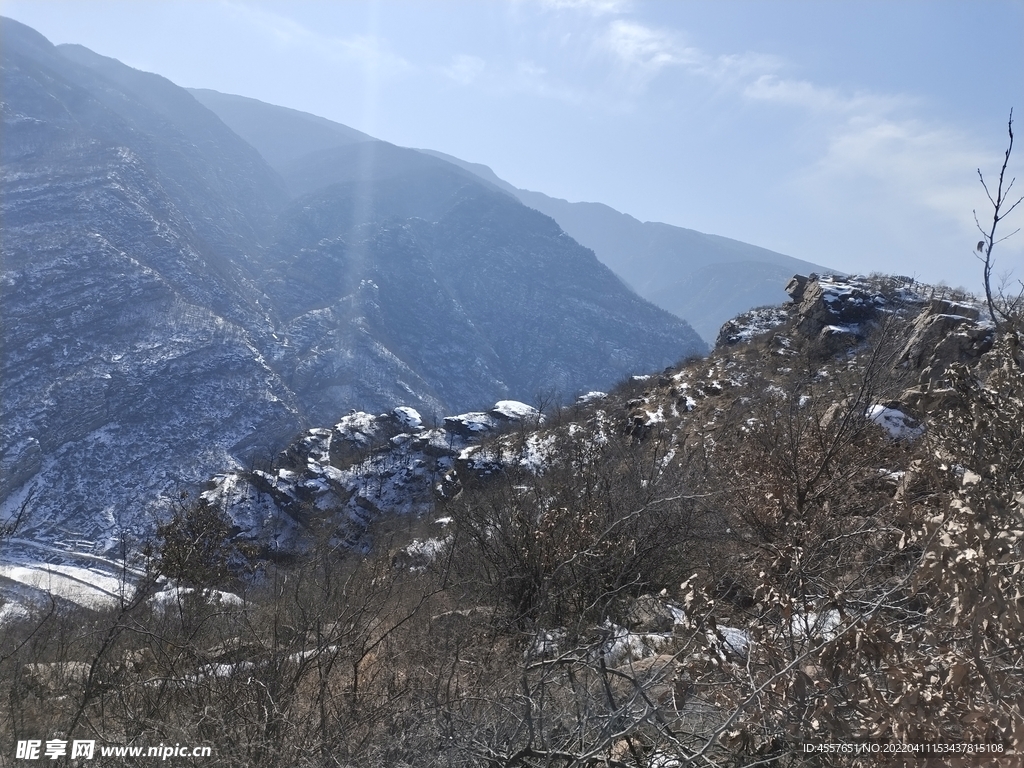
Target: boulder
{"x": 838, "y": 302}
{"x": 945, "y": 333}
{"x": 473, "y": 424}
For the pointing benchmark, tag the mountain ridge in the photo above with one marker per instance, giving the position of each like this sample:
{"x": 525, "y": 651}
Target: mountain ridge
{"x": 670, "y": 266}
{"x": 171, "y": 309}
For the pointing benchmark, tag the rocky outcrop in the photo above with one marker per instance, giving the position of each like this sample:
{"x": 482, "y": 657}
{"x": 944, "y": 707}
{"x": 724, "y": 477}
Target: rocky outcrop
{"x": 343, "y": 478}
{"x": 834, "y": 309}
{"x": 946, "y": 332}
{"x": 943, "y": 332}
{"x": 750, "y": 324}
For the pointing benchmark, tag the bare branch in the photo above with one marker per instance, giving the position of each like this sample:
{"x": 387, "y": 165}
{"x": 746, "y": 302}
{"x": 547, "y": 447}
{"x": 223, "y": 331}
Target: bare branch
{"x": 999, "y": 212}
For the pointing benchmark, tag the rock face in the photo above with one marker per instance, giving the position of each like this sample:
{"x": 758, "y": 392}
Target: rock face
{"x": 946, "y": 332}
{"x": 830, "y": 305}
{"x": 941, "y": 332}
{"x": 341, "y": 479}
{"x": 932, "y": 333}
{"x": 172, "y": 307}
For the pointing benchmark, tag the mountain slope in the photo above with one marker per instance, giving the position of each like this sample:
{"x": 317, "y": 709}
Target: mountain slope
{"x": 704, "y": 279}
{"x": 456, "y": 279}
{"x": 281, "y": 134}
{"x": 131, "y": 318}
{"x": 172, "y": 307}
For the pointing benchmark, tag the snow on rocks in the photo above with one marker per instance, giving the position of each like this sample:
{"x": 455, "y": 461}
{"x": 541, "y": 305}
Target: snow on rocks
{"x": 365, "y": 466}
{"x": 473, "y": 424}
{"x": 946, "y": 332}
{"x": 622, "y": 644}
{"x": 834, "y": 307}
{"x": 409, "y": 418}
{"x": 824, "y": 625}
{"x": 171, "y": 596}
{"x": 750, "y": 325}
{"x": 419, "y": 554}
{"x": 478, "y": 423}
{"x": 735, "y": 641}
{"x": 547, "y": 643}
{"x": 899, "y": 425}
{"x": 513, "y": 410}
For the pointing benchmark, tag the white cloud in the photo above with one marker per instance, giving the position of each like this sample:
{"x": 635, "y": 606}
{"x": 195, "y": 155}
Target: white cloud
{"x": 893, "y": 181}
{"x": 870, "y": 140}
{"x": 801, "y": 93}
{"x": 369, "y": 52}
{"x": 465, "y": 69}
{"x": 922, "y": 165}
{"x": 645, "y": 51}
{"x": 637, "y": 45}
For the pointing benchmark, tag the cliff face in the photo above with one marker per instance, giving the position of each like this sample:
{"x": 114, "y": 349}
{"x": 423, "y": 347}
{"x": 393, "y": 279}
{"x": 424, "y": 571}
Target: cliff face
{"x": 131, "y": 318}
{"x": 171, "y": 306}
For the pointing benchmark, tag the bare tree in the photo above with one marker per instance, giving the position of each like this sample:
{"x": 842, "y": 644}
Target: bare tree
{"x": 999, "y": 313}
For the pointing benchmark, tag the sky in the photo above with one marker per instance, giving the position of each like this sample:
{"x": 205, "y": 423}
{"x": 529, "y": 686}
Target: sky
{"x": 845, "y": 132}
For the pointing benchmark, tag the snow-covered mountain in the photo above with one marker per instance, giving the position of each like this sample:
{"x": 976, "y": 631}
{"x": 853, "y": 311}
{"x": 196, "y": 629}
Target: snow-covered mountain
{"x": 173, "y": 307}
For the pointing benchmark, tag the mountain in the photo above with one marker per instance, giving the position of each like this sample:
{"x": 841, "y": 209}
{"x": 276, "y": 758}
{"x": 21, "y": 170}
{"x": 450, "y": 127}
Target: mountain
{"x": 795, "y": 542}
{"x": 173, "y": 306}
{"x": 808, "y": 541}
{"x": 704, "y": 279}
{"x": 282, "y": 135}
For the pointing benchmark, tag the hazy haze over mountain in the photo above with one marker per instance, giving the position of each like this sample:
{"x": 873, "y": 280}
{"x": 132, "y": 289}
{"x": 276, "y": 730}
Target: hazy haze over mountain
{"x": 173, "y": 307}
{"x": 703, "y": 279}
{"x": 843, "y": 133}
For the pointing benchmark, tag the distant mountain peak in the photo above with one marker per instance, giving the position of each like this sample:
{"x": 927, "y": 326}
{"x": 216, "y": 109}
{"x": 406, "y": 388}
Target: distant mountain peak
{"x": 263, "y": 126}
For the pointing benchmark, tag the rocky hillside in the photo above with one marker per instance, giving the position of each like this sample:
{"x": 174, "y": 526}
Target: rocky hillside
{"x": 811, "y": 537}
{"x": 882, "y": 351}
{"x": 173, "y": 307}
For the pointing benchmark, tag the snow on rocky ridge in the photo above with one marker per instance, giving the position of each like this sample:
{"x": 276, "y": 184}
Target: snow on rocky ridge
{"x": 392, "y": 463}
{"x": 340, "y": 479}
{"x": 365, "y": 466}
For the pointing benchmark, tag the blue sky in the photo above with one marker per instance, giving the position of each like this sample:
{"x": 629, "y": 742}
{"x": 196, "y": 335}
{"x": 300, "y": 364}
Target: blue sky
{"x": 845, "y": 132}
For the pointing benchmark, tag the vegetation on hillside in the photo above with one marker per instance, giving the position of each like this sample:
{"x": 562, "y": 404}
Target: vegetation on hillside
{"x": 726, "y": 564}
{"x": 805, "y": 549}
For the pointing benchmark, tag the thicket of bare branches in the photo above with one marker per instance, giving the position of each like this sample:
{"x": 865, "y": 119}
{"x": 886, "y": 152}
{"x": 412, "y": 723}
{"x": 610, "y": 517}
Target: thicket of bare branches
{"x": 877, "y": 582}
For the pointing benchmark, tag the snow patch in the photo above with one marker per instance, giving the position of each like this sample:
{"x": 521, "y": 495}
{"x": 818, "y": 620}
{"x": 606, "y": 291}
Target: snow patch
{"x": 513, "y": 410}
{"x": 899, "y": 425}
{"x": 409, "y": 418}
